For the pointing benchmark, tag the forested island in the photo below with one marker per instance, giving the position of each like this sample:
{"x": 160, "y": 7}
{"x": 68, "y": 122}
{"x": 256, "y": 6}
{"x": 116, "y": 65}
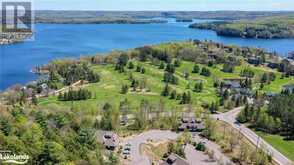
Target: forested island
{"x": 266, "y": 28}
{"x": 56, "y": 119}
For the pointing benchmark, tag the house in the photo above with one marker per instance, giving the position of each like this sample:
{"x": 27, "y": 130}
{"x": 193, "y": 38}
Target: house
{"x": 110, "y": 140}
{"x": 273, "y": 65}
{"x": 174, "y": 159}
{"x": 289, "y": 88}
{"x": 253, "y": 61}
{"x": 231, "y": 84}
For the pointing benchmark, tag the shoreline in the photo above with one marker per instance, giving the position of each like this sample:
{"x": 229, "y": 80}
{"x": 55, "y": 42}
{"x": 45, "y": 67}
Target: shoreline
{"x": 11, "y": 38}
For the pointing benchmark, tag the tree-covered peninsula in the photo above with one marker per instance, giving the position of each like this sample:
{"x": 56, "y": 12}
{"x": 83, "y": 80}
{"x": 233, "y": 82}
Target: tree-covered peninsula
{"x": 266, "y": 28}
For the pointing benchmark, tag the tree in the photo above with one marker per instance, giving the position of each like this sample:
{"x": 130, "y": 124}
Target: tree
{"x": 165, "y": 91}
{"x": 170, "y": 68}
{"x": 107, "y": 122}
{"x": 177, "y": 63}
{"x": 5, "y": 126}
{"x": 173, "y": 94}
{"x": 264, "y": 78}
{"x": 113, "y": 159}
{"x": 205, "y": 72}
{"x": 210, "y": 127}
{"x": 40, "y": 118}
{"x": 195, "y": 69}
{"x": 53, "y": 153}
{"x": 124, "y": 89}
{"x": 34, "y": 98}
{"x": 170, "y": 78}
{"x": 186, "y": 98}
{"x": 131, "y": 65}
{"x": 134, "y": 84}
{"x": 143, "y": 70}
{"x": 138, "y": 68}
{"x": 226, "y": 94}
{"x": 247, "y": 73}
{"x": 161, "y": 66}
{"x": 86, "y": 137}
{"x": 198, "y": 87}
{"x": 210, "y": 63}
{"x": 214, "y": 107}
{"x": 123, "y": 59}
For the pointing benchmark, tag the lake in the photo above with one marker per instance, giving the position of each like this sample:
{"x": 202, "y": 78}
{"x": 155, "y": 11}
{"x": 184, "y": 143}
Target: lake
{"x": 55, "y": 41}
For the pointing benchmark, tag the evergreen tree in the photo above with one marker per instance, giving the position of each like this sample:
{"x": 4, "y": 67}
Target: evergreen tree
{"x": 143, "y": 70}
{"x": 198, "y": 87}
{"x": 124, "y": 89}
{"x": 173, "y": 94}
{"x": 170, "y": 68}
{"x": 165, "y": 91}
{"x": 161, "y": 66}
{"x": 205, "y": 72}
{"x": 131, "y": 65}
{"x": 195, "y": 69}
{"x": 177, "y": 63}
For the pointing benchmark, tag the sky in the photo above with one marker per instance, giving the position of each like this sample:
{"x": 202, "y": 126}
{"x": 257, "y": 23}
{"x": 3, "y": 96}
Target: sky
{"x": 166, "y": 5}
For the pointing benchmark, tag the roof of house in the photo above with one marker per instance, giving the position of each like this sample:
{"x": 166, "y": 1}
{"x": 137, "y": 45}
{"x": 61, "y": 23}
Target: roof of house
{"x": 232, "y": 84}
{"x": 174, "y": 159}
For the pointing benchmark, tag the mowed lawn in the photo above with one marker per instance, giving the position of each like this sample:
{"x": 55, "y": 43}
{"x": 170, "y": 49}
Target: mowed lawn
{"x": 109, "y": 88}
{"x": 284, "y": 146}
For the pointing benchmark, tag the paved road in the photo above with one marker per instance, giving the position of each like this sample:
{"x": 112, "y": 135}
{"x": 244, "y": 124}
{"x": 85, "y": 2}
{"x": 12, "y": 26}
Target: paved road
{"x": 230, "y": 118}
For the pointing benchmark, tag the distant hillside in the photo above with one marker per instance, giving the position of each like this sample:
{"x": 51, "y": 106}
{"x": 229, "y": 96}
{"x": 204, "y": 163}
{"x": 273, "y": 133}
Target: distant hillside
{"x": 269, "y": 27}
{"x": 47, "y": 16}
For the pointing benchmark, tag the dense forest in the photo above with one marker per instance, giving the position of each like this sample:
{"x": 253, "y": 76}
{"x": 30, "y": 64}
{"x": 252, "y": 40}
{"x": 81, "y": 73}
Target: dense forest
{"x": 276, "y": 117}
{"x": 272, "y": 27}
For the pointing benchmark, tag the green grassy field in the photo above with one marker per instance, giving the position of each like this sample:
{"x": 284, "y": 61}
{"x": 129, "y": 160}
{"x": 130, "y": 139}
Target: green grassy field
{"x": 285, "y": 147}
{"x": 108, "y": 89}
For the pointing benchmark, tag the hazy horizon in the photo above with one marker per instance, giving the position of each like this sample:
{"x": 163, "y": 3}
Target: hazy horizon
{"x": 171, "y": 5}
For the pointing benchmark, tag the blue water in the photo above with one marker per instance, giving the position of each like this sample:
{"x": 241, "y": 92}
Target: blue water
{"x": 54, "y": 41}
